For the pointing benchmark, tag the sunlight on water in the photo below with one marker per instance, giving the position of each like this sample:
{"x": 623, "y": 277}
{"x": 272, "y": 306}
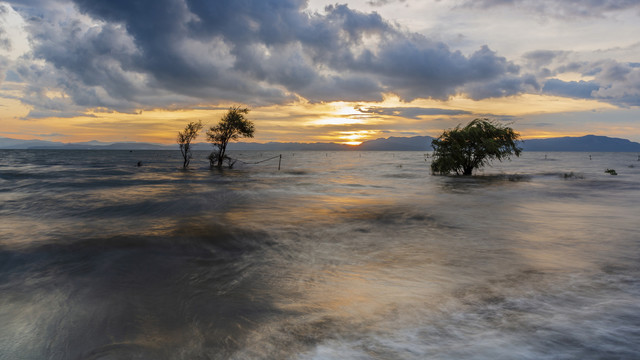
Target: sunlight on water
{"x": 339, "y": 255}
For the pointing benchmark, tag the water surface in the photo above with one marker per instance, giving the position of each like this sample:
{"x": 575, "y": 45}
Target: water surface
{"x": 339, "y": 255}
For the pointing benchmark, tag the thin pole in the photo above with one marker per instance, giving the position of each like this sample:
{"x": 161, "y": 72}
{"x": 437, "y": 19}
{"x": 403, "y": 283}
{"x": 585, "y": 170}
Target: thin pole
{"x": 279, "y": 161}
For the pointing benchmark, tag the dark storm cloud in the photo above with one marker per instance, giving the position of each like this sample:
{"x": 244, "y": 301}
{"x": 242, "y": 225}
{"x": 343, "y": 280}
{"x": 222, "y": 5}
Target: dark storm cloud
{"x": 418, "y": 68}
{"x": 99, "y": 57}
{"x": 411, "y": 112}
{"x": 503, "y": 86}
{"x": 564, "y": 8}
{"x": 574, "y": 89}
{"x": 125, "y": 55}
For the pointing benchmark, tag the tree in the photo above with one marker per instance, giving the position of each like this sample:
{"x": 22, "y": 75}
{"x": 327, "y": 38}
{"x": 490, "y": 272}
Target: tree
{"x": 184, "y": 140}
{"x": 461, "y": 150}
{"x": 231, "y": 126}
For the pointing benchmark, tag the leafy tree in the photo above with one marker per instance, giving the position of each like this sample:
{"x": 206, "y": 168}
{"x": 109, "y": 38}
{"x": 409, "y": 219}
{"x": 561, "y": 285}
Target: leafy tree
{"x": 232, "y": 126}
{"x": 461, "y": 150}
{"x": 185, "y": 138}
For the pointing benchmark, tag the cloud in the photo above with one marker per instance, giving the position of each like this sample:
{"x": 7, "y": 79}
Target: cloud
{"x": 620, "y": 84}
{"x": 605, "y": 80}
{"x": 613, "y": 71}
{"x": 612, "y": 81}
{"x": 574, "y": 89}
{"x": 5, "y": 41}
{"x": 419, "y": 68}
{"x": 5, "y": 44}
{"x": 563, "y": 9}
{"x": 383, "y": 2}
{"x": 540, "y": 60}
{"x": 411, "y": 112}
{"x": 56, "y": 135}
{"x": 127, "y": 55}
{"x": 502, "y": 87}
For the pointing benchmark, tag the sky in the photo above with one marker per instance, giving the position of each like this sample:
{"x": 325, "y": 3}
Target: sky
{"x": 317, "y": 71}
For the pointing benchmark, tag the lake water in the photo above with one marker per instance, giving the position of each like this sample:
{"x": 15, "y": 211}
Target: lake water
{"x": 339, "y": 255}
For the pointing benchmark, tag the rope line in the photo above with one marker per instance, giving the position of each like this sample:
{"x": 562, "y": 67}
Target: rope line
{"x": 258, "y": 162}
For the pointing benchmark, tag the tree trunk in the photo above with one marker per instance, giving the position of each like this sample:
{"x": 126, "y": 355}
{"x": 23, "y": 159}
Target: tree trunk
{"x": 467, "y": 170}
{"x": 186, "y": 155}
{"x": 221, "y": 154}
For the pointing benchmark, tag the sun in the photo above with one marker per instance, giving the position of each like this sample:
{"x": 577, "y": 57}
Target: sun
{"x": 354, "y": 138}
{"x": 340, "y": 113}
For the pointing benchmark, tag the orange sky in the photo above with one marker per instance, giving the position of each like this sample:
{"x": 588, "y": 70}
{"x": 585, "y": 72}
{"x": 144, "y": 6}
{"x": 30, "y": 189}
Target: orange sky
{"x": 342, "y": 122}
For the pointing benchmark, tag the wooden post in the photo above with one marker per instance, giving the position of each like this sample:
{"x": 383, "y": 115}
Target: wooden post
{"x": 279, "y": 161}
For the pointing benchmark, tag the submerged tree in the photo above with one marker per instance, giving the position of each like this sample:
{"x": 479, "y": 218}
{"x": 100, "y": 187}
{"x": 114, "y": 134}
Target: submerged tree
{"x": 185, "y": 138}
{"x": 232, "y": 126}
{"x": 461, "y": 150}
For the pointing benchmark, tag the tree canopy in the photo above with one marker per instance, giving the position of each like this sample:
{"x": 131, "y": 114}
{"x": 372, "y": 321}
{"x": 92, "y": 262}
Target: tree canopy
{"x": 186, "y": 137}
{"x": 232, "y": 126}
{"x": 461, "y": 150}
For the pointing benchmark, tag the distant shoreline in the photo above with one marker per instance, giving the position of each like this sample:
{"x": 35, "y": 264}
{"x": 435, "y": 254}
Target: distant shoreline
{"x": 587, "y": 143}
{"x": 300, "y": 150}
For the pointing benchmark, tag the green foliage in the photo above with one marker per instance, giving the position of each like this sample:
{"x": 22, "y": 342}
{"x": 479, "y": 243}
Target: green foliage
{"x": 611, "y": 172}
{"x": 232, "y": 126}
{"x": 461, "y": 150}
{"x": 185, "y": 138}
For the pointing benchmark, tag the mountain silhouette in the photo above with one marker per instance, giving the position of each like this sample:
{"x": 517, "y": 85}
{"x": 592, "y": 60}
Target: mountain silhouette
{"x": 590, "y": 143}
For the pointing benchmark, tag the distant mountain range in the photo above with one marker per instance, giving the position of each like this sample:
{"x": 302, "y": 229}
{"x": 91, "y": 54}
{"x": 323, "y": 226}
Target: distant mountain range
{"x": 584, "y": 143}
{"x": 591, "y": 143}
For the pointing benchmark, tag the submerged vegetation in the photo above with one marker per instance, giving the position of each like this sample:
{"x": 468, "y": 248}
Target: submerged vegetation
{"x": 462, "y": 150}
{"x": 185, "y": 138}
{"x": 232, "y": 126}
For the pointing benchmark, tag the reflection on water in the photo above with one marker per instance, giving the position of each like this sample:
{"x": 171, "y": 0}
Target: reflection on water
{"x": 339, "y": 255}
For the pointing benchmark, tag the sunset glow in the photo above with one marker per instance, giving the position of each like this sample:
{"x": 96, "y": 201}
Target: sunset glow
{"x": 354, "y": 137}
